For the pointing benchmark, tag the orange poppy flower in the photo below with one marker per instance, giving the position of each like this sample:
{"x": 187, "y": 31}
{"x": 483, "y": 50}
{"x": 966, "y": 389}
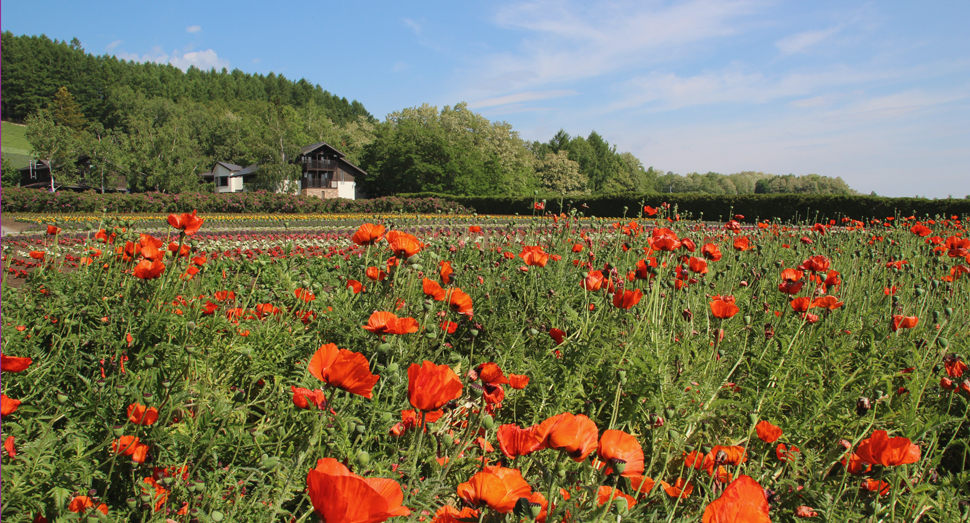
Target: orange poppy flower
{"x": 801, "y": 304}
{"x": 189, "y": 224}
{"x": 474, "y": 229}
{"x": 383, "y": 322}
{"x": 711, "y": 252}
{"x": 627, "y": 299}
{"x": 804, "y": 511}
{"x": 903, "y": 322}
{"x": 663, "y": 239}
{"x": 534, "y": 255}
{"x": 8, "y": 405}
{"x": 432, "y": 289}
{"x": 445, "y": 271}
{"x": 149, "y": 270}
{"x": 491, "y": 373}
{"x": 368, "y": 234}
{"x": 827, "y": 302}
{"x": 680, "y": 489}
{"x": 743, "y": 500}
{"x": 518, "y": 381}
{"x": 450, "y": 514}
{"x": 344, "y": 369}
{"x": 498, "y": 488}
{"x": 13, "y": 363}
{"x": 698, "y": 265}
{"x": 141, "y": 415}
{"x": 724, "y": 309}
{"x": 724, "y": 455}
{"x": 767, "y": 432}
{"x": 459, "y": 302}
{"x": 576, "y": 435}
{"x": 303, "y": 294}
{"x": 124, "y": 445}
{"x": 605, "y": 494}
{"x": 742, "y": 244}
{"x": 815, "y": 264}
{"x": 874, "y": 485}
{"x": 431, "y": 386}
{"x": 880, "y": 449}
{"x": 955, "y": 367}
{"x": 339, "y": 495}
{"x": 642, "y": 485}
{"x": 355, "y": 286}
{"x": 593, "y": 281}
{"x": 404, "y": 245}
{"x": 81, "y": 504}
{"x": 9, "y": 446}
{"x": 306, "y": 398}
{"x": 618, "y": 446}
{"x": 37, "y": 255}
{"x": 375, "y": 274}
{"x": 514, "y": 441}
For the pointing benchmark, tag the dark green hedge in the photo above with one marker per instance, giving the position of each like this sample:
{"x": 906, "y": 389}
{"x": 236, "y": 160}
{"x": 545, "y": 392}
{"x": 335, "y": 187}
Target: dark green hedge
{"x": 786, "y": 207}
{"x": 17, "y": 200}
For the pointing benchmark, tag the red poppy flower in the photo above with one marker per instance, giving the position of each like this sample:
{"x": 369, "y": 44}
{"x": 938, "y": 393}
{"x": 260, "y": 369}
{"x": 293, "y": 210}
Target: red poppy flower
{"x": 8, "y": 405}
{"x": 805, "y": 512}
{"x": 783, "y": 453}
{"x": 827, "y": 302}
{"x": 618, "y": 446}
{"x": 663, "y": 239}
{"x": 432, "y": 289}
{"x": 680, "y": 489}
{"x": 514, "y": 441}
{"x": 518, "y": 381}
{"x": 343, "y": 369}
{"x": 626, "y": 298}
{"x": 306, "y": 398}
{"x": 723, "y": 309}
{"x": 9, "y": 446}
{"x": 149, "y": 270}
{"x": 13, "y": 363}
{"x": 304, "y": 294}
{"x": 743, "y": 500}
{"x": 534, "y": 255}
{"x": 742, "y": 244}
{"x": 955, "y": 367}
{"x": 339, "y": 495}
{"x": 493, "y": 394}
{"x": 355, "y": 286}
{"x": 142, "y": 415}
{"x": 874, "y": 485}
{"x": 375, "y": 274}
{"x": 81, "y": 504}
{"x": 576, "y": 435}
{"x": 711, "y": 252}
{"x": 368, "y": 234}
{"x": 450, "y": 514}
{"x": 449, "y": 327}
{"x": 431, "y": 386}
{"x": 445, "y": 271}
{"x": 189, "y": 224}
{"x": 801, "y": 304}
{"x": 903, "y": 322}
{"x": 491, "y": 373}
{"x": 697, "y": 265}
{"x": 459, "y": 302}
{"x": 605, "y": 494}
{"x": 557, "y": 335}
{"x": 404, "y": 245}
{"x": 688, "y": 245}
{"x": 382, "y": 322}
{"x": 649, "y": 211}
{"x": 52, "y": 230}
{"x": 815, "y": 264}
{"x": 498, "y": 488}
{"x": 767, "y": 432}
{"x": 880, "y": 449}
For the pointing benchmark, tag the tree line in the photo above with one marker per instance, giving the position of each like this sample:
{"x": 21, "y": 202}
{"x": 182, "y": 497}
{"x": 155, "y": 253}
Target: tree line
{"x": 161, "y": 128}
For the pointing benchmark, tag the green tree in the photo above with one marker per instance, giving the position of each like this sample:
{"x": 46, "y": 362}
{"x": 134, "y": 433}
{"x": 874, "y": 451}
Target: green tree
{"x": 559, "y": 175}
{"x": 53, "y": 143}
{"x": 11, "y": 176}
{"x": 66, "y": 111}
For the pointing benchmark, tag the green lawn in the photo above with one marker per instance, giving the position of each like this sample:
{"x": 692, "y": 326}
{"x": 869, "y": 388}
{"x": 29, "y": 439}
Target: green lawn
{"x": 16, "y": 148}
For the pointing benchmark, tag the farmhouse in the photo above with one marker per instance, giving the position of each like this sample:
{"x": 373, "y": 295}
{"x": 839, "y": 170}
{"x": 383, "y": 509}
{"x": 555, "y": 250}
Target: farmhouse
{"x": 37, "y": 175}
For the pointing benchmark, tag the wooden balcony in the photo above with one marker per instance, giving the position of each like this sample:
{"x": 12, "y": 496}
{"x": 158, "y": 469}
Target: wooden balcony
{"x": 321, "y": 165}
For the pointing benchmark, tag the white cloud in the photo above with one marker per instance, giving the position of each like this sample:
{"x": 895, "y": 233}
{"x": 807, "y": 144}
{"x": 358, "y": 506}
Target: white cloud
{"x": 516, "y": 98}
{"x": 204, "y": 60}
{"x": 112, "y": 45}
{"x": 194, "y": 28}
{"x": 400, "y": 66}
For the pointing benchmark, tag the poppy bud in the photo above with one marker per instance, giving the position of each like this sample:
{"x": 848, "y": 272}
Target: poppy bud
{"x": 145, "y": 498}
{"x": 62, "y": 398}
{"x": 269, "y": 462}
{"x": 561, "y": 472}
{"x": 149, "y": 360}
{"x": 622, "y": 375}
{"x": 120, "y": 388}
{"x": 132, "y": 503}
{"x": 430, "y": 335}
{"x": 168, "y": 480}
{"x": 216, "y": 516}
{"x": 936, "y": 316}
{"x": 392, "y": 367}
{"x": 943, "y": 343}
{"x": 862, "y": 406}
{"x": 448, "y": 439}
{"x": 670, "y": 412}
{"x": 166, "y": 383}
{"x": 473, "y": 332}
{"x": 747, "y": 319}
{"x": 384, "y": 347}
{"x": 363, "y": 458}
{"x": 488, "y": 422}
{"x": 618, "y": 465}
{"x": 948, "y": 311}
{"x": 190, "y": 486}
{"x": 118, "y": 430}
{"x": 754, "y": 417}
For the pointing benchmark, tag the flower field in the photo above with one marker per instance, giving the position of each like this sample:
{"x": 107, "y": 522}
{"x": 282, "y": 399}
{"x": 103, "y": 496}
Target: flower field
{"x": 445, "y": 368}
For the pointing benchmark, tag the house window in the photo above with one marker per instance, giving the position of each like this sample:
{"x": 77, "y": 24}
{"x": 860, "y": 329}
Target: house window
{"x": 223, "y": 181}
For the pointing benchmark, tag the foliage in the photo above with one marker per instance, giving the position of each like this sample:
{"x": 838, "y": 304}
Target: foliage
{"x": 783, "y": 207}
{"x": 749, "y": 182}
{"x": 11, "y": 176}
{"x": 17, "y": 200}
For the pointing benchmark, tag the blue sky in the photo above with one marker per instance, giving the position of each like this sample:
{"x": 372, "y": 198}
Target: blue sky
{"x": 875, "y": 92}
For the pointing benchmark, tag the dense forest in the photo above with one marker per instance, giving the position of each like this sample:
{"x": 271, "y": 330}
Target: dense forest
{"x": 160, "y": 128}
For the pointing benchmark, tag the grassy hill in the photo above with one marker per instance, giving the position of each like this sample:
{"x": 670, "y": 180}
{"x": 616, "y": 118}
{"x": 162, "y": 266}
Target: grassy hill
{"x": 16, "y": 148}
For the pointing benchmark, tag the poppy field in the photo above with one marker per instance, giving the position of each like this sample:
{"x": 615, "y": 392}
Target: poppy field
{"x": 446, "y": 368}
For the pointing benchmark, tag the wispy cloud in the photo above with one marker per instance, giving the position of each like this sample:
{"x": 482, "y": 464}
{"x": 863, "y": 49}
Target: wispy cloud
{"x": 527, "y": 96}
{"x": 416, "y": 27}
{"x": 194, "y": 28}
{"x": 801, "y": 41}
{"x": 204, "y": 60}
{"x": 112, "y": 45}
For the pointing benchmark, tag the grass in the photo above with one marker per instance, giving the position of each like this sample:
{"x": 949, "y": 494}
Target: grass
{"x": 16, "y": 148}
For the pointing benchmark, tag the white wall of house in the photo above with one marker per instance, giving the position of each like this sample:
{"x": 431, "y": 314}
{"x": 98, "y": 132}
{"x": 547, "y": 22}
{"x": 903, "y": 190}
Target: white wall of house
{"x": 221, "y": 177}
{"x": 346, "y": 190}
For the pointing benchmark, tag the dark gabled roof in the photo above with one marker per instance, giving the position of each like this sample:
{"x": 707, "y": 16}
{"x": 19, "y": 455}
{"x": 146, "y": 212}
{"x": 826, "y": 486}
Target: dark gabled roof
{"x": 313, "y": 147}
{"x": 248, "y": 170}
{"x": 38, "y": 164}
{"x": 231, "y": 166}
